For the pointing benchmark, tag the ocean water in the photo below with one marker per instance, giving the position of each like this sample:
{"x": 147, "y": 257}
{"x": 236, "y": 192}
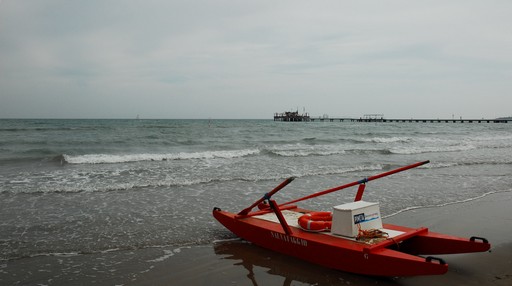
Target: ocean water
{"x": 76, "y": 187}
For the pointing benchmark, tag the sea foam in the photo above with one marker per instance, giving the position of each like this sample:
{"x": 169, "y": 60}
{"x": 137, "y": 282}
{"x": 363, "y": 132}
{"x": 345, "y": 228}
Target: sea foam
{"x": 125, "y": 158}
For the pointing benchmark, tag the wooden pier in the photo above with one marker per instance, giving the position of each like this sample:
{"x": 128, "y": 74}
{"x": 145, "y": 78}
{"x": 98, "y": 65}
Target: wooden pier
{"x": 412, "y": 120}
{"x": 296, "y": 117}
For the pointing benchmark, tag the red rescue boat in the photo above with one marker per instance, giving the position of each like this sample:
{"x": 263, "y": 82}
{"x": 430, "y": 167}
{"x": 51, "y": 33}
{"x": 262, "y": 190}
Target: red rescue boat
{"x": 352, "y": 238}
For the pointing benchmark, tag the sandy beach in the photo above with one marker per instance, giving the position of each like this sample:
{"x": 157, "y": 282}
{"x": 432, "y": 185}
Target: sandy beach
{"x": 235, "y": 262}
{"x": 489, "y": 217}
{"x": 240, "y": 263}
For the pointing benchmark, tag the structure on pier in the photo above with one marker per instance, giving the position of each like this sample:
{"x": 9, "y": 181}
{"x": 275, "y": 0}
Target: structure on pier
{"x": 291, "y": 116}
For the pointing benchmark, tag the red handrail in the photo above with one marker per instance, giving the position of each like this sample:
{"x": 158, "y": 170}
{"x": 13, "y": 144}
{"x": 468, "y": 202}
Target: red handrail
{"x": 267, "y": 196}
{"x": 378, "y": 176}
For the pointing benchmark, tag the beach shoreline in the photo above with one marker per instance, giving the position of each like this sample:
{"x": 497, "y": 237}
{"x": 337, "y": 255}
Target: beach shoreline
{"x": 236, "y": 262}
{"x": 489, "y": 217}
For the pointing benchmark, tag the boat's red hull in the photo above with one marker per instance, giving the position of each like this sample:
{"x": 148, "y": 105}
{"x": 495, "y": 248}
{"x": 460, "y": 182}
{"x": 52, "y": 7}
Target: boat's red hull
{"x": 393, "y": 257}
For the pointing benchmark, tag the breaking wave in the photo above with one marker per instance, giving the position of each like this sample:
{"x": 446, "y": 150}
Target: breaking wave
{"x": 409, "y": 150}
{"x": 301, "y": 150}
{"x": 306, "y": 152}
{"x": 140, "y": 182}
{"x": 126, "y": 158}
{"x": 387, "y": 139}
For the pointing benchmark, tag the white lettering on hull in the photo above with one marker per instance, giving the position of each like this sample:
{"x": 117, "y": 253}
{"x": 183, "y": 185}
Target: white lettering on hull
{"x": 289, "y": 239}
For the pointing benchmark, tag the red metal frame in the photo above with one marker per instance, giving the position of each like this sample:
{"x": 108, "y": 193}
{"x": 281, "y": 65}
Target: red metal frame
{"x": 391, "y": 257}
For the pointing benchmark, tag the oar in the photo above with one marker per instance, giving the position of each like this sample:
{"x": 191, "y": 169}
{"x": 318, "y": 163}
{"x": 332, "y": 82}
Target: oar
{"x": 267, "y": 196}
{"x": 357, "y": 182}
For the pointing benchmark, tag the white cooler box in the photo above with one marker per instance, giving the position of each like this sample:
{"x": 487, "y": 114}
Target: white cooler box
{"x": 346, "y": 217}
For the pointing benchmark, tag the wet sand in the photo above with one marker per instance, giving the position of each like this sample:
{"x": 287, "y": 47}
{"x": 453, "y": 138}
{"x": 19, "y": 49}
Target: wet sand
{"x": 236, "y": 262}
{"x": 489, "y": 217}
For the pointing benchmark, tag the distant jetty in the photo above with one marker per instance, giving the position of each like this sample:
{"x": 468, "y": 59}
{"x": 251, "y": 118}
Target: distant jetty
{"x": 305, "y": 117}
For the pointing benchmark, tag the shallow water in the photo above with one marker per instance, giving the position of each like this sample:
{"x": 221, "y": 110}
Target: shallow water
{"x": 90, "y": 186}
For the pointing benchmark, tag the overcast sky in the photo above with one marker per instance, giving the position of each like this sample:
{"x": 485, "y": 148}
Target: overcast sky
{"x": 249, "y": 59}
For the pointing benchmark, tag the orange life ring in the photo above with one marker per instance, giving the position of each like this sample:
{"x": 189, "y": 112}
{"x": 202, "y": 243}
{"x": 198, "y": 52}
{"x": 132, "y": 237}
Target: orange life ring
{"x": 316, "y": 221}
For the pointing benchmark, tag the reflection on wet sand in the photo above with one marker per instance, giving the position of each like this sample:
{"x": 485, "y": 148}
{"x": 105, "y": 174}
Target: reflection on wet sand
{"x": 253, "y": 258}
